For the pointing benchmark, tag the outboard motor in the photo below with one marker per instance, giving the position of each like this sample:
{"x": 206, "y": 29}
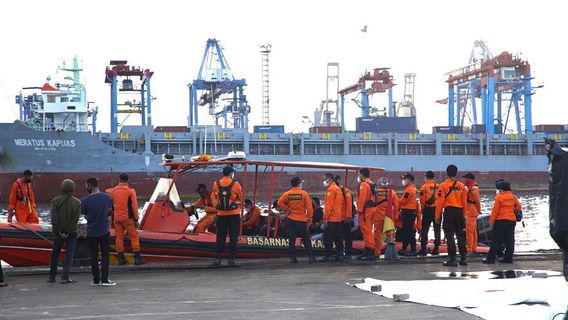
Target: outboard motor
{"x": 558, "y": 194}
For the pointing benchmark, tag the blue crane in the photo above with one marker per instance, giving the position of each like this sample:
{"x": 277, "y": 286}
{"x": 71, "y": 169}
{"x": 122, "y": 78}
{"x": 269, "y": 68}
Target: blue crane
{"x": 214, "y": 80}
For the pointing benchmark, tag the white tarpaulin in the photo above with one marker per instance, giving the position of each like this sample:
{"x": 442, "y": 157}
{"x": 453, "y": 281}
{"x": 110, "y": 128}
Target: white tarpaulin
{"x": 517, "y": 298}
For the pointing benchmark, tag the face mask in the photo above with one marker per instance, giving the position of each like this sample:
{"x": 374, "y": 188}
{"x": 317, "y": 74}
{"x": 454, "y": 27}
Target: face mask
{"x": 497, "y": 191}
{"x": 404, "y": 183}
{"x": 301, "y": 185}
{"x": 233, "y": 176}
{"x": 326, "y": 183}
{"x": 27, "y": 180}
{"x": 359, "y": 179}
{"x": 89, "y": 190}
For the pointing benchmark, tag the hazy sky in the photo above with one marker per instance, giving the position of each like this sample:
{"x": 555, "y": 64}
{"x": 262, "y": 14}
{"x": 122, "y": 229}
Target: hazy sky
{"x": 428, "y": 38}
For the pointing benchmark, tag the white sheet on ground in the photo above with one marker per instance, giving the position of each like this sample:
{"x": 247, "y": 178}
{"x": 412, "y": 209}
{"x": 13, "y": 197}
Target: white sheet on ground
{"x": 518, "y": 298}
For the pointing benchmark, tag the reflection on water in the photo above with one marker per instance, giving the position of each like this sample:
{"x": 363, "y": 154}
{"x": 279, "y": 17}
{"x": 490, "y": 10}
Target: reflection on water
{"x": 534, "y": 236}
{"x": 498, "y": 274}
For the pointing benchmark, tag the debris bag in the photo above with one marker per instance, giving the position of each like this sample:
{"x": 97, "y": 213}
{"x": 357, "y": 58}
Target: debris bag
{"x": 558, "y": 192}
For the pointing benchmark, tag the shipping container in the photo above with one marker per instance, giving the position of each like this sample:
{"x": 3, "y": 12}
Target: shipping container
{"x": 268, "y": 129}
{"x": 331, "y": 129}
{"x": 386, "y": 124}
{"x": 447, "y": 129}
{"x": 549, "y": 128}
{"x": 481, "y": 128}
{"x": 171, "y": 129}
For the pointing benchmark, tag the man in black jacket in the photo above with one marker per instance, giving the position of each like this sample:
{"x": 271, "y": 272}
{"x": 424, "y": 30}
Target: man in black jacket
{"x": 65, "y": 212}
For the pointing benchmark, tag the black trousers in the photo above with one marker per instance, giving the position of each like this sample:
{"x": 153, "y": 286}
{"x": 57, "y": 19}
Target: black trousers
{"x": 428, "y": 218}
{"x": 99, "y": 244}
{"x": 231, "y": 225}
{"x": 454, "y": 225}
{"x": 503, "y": 231}
{"x": 297, "y": 229}
{"x": 333, "y": 234}
{"x": 1, "y": 274}
{"x": 348, "y": 237}
{"x": 408, "y": 234}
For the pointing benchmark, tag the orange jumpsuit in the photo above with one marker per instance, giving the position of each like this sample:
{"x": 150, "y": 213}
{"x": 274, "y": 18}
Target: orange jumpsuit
{"x": 411, "y": 216}
{"x": 206, "y": 223}
{"x": 22, "y": 200}
{"x": 125, "y": 206}
{"x": 298, "y": 203}
{"x": 251, "y": 219}
{"x": 453, "y": 204}
{"x": 380, "y": 214}
{"x": 473, "y": 209}
{"x": 366, "y": 214}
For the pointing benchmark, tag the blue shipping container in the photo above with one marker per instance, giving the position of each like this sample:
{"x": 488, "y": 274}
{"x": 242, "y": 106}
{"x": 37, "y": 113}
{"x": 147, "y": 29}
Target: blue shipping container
{"x": 386, "y": 124}
{"x": 268, "y": 129}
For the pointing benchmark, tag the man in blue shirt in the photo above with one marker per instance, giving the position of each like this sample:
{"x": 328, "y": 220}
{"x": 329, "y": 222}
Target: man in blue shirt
{"x": 97, "y": 207}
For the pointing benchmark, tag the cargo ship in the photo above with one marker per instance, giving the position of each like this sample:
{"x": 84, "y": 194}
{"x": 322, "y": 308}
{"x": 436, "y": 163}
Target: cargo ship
{"x": 56, "y": 136}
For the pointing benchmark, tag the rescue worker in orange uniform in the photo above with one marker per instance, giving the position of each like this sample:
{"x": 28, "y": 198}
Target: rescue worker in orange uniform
{"x": 332, "y": 219}
{"x": 410, "y": 215}
{"x": 503, "y": 219}
{"x": 366, "y": 209}
{"x": 347, "y": 217}
{"x": 22, "y": 200}
{"x": 204, "y": 202}
{"x": 125, "y": 219}
{"x": 428, "y": 203}
{"x": 384, "y": 191}
{"x": 451, "y": 199}
{"x": 299, "y": 205}
{"x": 228, "y": 195}
{"x": 473, "y": 209}
{"x": 251, "y": 219}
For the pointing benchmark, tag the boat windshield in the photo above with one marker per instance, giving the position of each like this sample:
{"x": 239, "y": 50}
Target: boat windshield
{"x": 161, "y": 191}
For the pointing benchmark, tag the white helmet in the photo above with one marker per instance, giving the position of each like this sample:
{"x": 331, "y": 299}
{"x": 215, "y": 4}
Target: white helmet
{"x": 384, "y": 182}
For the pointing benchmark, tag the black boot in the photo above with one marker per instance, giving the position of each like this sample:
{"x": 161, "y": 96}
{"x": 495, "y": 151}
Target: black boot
{"x": 436, "y": 251}
{"x": 463, "y": 260}
{"x": 370, "y": 255}
{"x": 217, "y": 261}
{"x": 422, "y": 252}
{"x": 121, "y": 259}
{"x": 450, "y": 263}
{"x": 293, "y": 260}
{"x": 138, "y": 259}
{"x": 232, "y": 262}
{"x": 362, "y": 254}
{"x": 312, "y": 259}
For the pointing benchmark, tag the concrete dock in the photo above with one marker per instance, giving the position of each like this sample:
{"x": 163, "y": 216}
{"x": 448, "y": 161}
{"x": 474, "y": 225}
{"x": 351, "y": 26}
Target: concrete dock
{"x": 258, "y": 289}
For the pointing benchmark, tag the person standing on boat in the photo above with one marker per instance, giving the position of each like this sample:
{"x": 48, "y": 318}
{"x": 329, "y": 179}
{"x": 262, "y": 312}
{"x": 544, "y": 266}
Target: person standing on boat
{"x": 315, "y": 226}
{"x": 332, "y": 220}
{"x": 347, "y": 217}
{"x": 97, "y": 208}
{"x": 251, "y": 219}
{"x": 366, "y": 209}
{"x": 227, "y": 194}
{"x": 451, "y": 199}
{"x": 428, "y": 203}
{"x": 65, "y": 213}
{"x": 299, "y": 205}
{"x": 410, "y": 214}
{"x": 204, "y": 202}
{"x": 473, "y": 209}
{"x": 125, "y": 216}
{"x": 506, "y": 212}
{"x": 22, "y": 200}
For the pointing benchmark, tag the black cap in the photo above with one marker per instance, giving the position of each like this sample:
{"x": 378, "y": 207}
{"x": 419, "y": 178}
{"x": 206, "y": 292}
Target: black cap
{"x": 200, "y": 187}
{"x": 408, "y": 176}
{"x": 296, "y": 181}
{"x": 430, "y": 174}
{"x": 469, "y": 175}
{"x": 28, "y": 172}
{"x": 503, "y": 184}
{"x": 227, "y": 170}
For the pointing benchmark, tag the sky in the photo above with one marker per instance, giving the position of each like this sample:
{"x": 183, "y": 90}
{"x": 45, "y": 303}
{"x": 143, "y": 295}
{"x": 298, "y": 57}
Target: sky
{"x": 428, "y": 38}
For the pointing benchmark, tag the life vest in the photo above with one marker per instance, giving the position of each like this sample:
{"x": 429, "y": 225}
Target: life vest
{"x": 374, "y": 200}
{"x": 225, "y": 197}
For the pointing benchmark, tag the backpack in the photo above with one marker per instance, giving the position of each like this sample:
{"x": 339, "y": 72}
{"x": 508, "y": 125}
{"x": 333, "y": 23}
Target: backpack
{"x": 225, "y": 197}
{"x": 374, "y": 201}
